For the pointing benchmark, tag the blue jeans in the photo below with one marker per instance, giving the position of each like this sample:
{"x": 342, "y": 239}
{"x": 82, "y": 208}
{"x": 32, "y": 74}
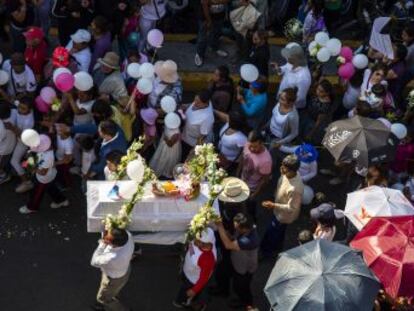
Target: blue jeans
{"x": 208, "y": 37}
{"x": 273, "y": 238}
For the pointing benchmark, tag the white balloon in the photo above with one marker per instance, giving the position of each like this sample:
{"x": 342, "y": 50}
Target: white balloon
{"x": 127, "y": 189}
{"x": 249, "y": 72}
{"x": 4, "y": 77}
{"x": 58, "y": 71}
{"x": 135, "y": 170}
{"x": 308, "y": 195}
{"x": 322, "y": 38}
{"x": 399, "y": 130}
{"x": 147, "y": 70}
{"x": 83, "y": 81}
{"x": 168, "y": 104}
{"x": 172, "y": 121}
{"x": 312, "y": 45}
{"x": 323, "y": 55}
{"x": 334, "y": 46}
{"x": 360, "y": 61}
{"x": 30, "y": 138}
{"x": 398, "y": 186}
{"x": 133, "y": 70}
{"x": 144, "y": 86}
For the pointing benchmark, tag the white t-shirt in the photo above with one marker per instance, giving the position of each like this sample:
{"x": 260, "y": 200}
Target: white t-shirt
{"x": 82, "y": 57}
{"x": 154, "y": 9}
{"x": 109, "y": 175}
{"x": 87, "y": 159}
{"x": 299, "y": 77}
{"x": 278, "y": 121}
{"x": 198, "y": 123}
{"x": 19, "y": 83}
{"x": 9, "y": 140}
{"x": 232, "y": 145}
{"x": 46, "y": 160}
{"x": 24, "y": 122}
{"x": 86, "y": 117}
{"x": 64, "y": 147}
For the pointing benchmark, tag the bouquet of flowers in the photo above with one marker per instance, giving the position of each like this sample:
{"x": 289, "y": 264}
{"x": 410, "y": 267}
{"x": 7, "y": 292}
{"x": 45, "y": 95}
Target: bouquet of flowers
{"x": 31, "y": 163}
{"x": 293, "y": 29}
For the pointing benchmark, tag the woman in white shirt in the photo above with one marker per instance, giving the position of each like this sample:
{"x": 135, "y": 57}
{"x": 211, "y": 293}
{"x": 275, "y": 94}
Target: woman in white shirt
{"x": 295, "y": 73}
{"x": 199, "y": 120}
{"x": 284, "y": 124}
{"x": 232, "y": 139}
{"x": 373, "y": 76}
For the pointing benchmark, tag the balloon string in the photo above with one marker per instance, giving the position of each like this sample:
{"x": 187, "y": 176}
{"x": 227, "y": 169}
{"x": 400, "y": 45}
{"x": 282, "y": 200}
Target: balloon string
{"x": 153, "y": 56}
{"x": 131, "y": 99}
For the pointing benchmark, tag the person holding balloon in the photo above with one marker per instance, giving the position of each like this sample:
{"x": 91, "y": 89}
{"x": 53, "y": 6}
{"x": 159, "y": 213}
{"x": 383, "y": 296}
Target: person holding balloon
{"x": 253, "y": 102}
{"x": 78, "y": 48}
{"x": 24, "y": 121}
{"x": 151, "y": 12}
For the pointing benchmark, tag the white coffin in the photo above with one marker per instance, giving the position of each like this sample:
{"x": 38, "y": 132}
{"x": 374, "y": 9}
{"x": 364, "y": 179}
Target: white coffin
{"x": 151, "y": 214}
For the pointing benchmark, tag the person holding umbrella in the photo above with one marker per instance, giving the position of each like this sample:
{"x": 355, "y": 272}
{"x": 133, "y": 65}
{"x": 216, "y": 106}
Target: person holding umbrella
{"x": 286, "y": 208}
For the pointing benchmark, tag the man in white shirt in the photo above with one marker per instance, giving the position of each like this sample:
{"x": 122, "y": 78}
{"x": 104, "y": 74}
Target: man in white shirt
{"x": 113, "y": 256}
{"x": 78, "y": 47}
{"x": 22, "y": 80}
{"x": 295, "y": 73}
{"x": 199, "y": 121}
{"x": 151, "y": 12}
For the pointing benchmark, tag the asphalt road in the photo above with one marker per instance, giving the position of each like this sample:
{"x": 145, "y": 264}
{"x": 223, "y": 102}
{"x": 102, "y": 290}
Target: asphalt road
{"x": 45, "y": 258}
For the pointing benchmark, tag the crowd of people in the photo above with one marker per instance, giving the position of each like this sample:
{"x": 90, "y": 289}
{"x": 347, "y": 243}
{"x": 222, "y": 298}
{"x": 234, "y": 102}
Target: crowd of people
{"x": 257, "y": 131}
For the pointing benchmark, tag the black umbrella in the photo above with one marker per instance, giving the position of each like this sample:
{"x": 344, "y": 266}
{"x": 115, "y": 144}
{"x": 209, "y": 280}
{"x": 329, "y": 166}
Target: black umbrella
{"x": 361, "y": 140}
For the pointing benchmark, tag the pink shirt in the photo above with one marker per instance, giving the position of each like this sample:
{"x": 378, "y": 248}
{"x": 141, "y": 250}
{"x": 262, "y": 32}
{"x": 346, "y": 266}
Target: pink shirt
{"x": 255, "y": 167}
{"x": 404, "y": 152}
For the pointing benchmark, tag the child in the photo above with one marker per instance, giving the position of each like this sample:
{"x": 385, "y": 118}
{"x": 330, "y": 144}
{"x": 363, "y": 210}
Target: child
{"x": 308, "y": 157}
{"x": 24, "y": 121}
{"x": 45, "y": 179}
{"x": 113, "y": 159}
{"x": 7, "y": 139}
{"x": 64, "y": 157}
{"x": 149, "y": 117}
{"x": 168, "y": 152}
{"x": 87, "y": 145}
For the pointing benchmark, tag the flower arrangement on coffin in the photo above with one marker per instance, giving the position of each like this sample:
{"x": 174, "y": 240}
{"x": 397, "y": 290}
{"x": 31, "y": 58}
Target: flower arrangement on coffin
{"x": 134, "y": 166}
{"x": 293, "y": 29}
{"x": 205, "y": 165}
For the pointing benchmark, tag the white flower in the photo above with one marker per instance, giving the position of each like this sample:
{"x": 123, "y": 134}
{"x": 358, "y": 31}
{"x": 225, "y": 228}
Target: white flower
{"x": 216, "y": 189}
{"x": 198, "y": 149}
{"x": 340, "y": 60}
{"x": 201, "y": 161}
{"x": 313, "y": 52}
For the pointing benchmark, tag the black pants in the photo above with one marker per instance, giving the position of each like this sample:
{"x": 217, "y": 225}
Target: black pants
{"x": 241, "y": 286}
{"x": 182, "y": 297}
{"x": 36, "y": 195}
{"x": 186, "y": 149}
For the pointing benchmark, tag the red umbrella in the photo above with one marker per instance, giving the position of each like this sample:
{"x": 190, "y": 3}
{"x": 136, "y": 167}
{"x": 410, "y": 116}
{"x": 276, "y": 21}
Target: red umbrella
{"x": 387, "y": 244}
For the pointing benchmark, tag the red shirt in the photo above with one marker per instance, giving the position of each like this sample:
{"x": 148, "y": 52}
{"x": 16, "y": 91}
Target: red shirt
{"x": 36, "y": 57}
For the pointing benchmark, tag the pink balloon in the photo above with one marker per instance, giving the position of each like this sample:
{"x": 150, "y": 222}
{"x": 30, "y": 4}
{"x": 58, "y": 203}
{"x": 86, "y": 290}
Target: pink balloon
{"x": 346, "y": 71}
{"x": 346, "y": 52}
{"x": 65, "y": 82}
{"x": 41, "y": 105}
{"x": 155, "y": 38}
{"x": 48, "y": 94}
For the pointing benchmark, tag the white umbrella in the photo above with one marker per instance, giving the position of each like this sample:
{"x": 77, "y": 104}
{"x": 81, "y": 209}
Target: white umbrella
{"x": 376, "y": 201}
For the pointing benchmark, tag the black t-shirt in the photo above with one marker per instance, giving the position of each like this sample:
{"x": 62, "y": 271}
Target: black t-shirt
{"x": 13, "y": 6}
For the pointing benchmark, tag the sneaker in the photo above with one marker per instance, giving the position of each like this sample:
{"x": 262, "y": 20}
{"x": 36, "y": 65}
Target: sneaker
{"x": 179, "y": 305}
{"x": 198, "y": 60}
{"x": 25, "y": 210}
{"x": 24, "y": 187}
{"x": 59, "y": 205}
{"x": 75, "y": 170}
{"x": 222, "y": 53}
{"x": 4, "y": 178}
{"x": 336, "y": 181}
{"x": 326, "y": 171}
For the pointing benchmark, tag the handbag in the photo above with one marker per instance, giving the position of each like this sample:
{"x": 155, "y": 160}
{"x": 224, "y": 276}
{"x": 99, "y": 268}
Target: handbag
{"x": 244, "y": 18}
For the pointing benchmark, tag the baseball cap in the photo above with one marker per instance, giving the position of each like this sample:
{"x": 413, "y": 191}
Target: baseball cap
{"x": 81, "y": 36}
{"x": 325, "y": 211}
{"x": 34, "y": 33}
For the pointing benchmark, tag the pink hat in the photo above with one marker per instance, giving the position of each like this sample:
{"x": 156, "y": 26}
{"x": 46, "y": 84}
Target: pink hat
{"x": 44, "y": 145}
{"x": 149, "y": 115}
